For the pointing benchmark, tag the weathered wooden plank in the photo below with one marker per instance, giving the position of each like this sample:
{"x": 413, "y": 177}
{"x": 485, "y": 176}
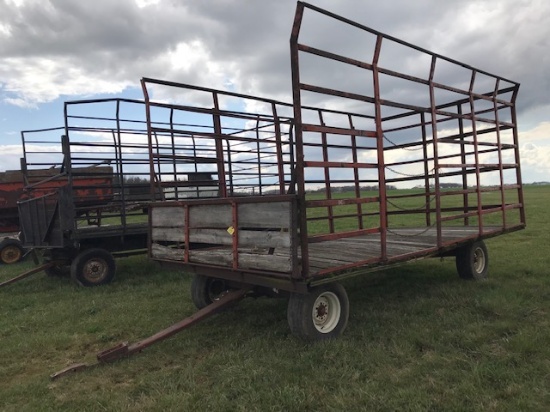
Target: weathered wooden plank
{"x": 267, "y": 238}
{"x": 173, "y": 216}
{"x": 274, "y": 263}
{"x": 169, "y": 234}
{"x": 247, "y": 238}
{"x": 166, "y": 253}
{"x": 247, "y": 260}
{"x": 213, "y": 216}
{"x": 224, "y": 257}
{"x": 260, "y": 215}
{"x": 264, "y": 215}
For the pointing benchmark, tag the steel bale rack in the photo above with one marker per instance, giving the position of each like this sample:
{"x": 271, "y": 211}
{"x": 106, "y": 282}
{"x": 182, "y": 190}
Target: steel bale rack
{"x": 304, "y": 198}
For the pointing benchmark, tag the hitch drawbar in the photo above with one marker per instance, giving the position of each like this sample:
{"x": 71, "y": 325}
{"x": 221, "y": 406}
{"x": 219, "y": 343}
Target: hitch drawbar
{"x": 124, "y": 349}
{"x": 28, "y": 273}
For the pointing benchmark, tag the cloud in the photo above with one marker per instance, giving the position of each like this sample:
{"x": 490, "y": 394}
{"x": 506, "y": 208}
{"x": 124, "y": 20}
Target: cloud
{"x": 539, "y": 133}
{"x": 71, "y": 49}
{"x": 75, "y": 46}
{"x": 536, "y": 158}
{"x": 10, "y": 157}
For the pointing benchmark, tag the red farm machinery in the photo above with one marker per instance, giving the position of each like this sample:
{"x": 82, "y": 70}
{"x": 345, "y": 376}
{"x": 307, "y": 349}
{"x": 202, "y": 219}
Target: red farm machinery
{"x": 11, "y": 190}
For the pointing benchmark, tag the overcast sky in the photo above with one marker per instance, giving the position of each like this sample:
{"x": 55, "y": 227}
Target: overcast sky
{"x": 57, "y": 50}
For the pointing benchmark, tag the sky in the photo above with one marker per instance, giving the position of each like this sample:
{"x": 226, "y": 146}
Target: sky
{"x": 58, "y": 50}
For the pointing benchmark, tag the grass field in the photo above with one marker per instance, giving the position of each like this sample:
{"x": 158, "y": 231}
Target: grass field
{"x": 419, "y": 338}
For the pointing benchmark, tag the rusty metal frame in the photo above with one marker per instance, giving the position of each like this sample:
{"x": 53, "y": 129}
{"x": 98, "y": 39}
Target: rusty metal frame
{"x": 461, "y": 134}
{"x": 482, "y": 122}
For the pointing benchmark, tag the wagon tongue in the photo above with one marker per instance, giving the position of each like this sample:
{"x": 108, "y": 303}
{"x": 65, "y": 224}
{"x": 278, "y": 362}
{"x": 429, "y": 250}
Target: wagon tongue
{"x": 124, "y": 349}
{"x": 114, "y": 353}
{"x": 28, "y": 273}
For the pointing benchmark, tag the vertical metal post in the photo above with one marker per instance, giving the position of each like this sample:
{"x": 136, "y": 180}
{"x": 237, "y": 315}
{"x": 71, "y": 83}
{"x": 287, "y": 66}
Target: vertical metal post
{"x": 436, "y": 154}
{"x": 476, "y": 154}
{"x": 65, "y": 147}
{"x": 122, "y": 183}
{"x": 187, "y": 236}
{"x": 519, "y": 181}
{"x": 151, "y": 165}
{"x": 23, "y": 161}
{"x": 219, "y": 145}
{"x": 230, "y": 169}
{"x": 279, "y": 148}
{"x": 499, "y": 148}
{"x": 258, "y": 151}
{"x": 465, "y": 196}
{"x": 380, "y": 151}
{"x": 299, "y": 169}
{"x": 326, "y": 170}
{"x": 149, "y": 143}
{"x": 174, "y": 162}
{"x": 356, "y": 173}
{"x": 235, "y": 234}
{"x": 428, "y": 195}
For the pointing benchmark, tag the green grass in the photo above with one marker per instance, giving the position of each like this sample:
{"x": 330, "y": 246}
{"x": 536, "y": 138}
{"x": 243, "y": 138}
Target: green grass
{"x": 419, "y": 338}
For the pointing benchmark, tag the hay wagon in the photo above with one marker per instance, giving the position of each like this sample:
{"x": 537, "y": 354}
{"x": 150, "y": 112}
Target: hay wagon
{"x": 85, "y": 202}
{"x": 419, "y": 158}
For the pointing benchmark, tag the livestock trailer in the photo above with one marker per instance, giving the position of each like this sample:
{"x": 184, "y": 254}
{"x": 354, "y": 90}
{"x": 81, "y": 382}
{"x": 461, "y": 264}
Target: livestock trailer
{"x": 85, "y": 195}
{"x": 388, "y": 153}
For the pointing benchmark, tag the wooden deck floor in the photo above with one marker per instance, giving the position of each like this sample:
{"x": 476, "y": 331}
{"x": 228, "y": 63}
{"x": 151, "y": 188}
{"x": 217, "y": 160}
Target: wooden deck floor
{"x": 400, "y": 242}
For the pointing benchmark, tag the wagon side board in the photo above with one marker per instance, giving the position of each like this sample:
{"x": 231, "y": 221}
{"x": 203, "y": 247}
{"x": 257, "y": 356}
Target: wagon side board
{"x": 237, "y": 234}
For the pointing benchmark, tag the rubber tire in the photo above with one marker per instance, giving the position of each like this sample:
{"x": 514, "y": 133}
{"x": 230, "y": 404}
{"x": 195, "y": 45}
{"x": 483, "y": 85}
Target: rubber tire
{"x": 468, "y": 263}
{"x": 92, "y": 260}
{"x": 300, "y": 312}
{"x": 11, "y": 251}
{"x": 205, "y": 290}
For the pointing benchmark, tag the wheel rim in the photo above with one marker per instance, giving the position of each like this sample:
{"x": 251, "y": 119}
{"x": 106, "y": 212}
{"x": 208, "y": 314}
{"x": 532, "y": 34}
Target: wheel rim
{"x": 11, "y": 254}
{"x": 326, "y": 312}
{"x": 479, "y": 260}
{"x": 95, "y": 270}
